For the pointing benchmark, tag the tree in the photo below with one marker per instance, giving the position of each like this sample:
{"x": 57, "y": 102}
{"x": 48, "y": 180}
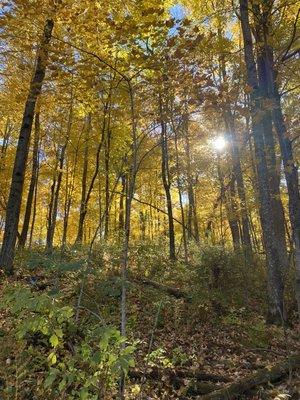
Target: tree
{"x": 33, "y": 181}
{"x": 276, "y": 266}
{"x": 16, "y": 189}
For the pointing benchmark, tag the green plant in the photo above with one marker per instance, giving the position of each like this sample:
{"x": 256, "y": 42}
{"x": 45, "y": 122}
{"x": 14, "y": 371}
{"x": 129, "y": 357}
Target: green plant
{"x": 158, "y": 357}
{"x": 76, "y": 363}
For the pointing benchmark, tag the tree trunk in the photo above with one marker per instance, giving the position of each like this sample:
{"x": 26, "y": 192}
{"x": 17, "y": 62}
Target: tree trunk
{"x": 193, "y": 230}
{"x": 274, "y": 166}
{"x": 165, "y": 172}
{"x": 130, "y": 188}
{"x": 83, "y": 202}
{"x": 290, "y": 167}
{"x": 53, "y": 217}
{"x": 121, "y": 205}
{"x": 233, "y": 218}
{"x": 70, "y": 183}
{"x": 239, "y": 387}
{"x": 51, "y": 202}
{"x": 34, "y": 209}
{"x": 107, "y": 196}
{"x": 67, "y": 207}
{"x": 238, "y": 176}
{"x": 184, "y": 230}
{"x": 292, "y": 179}
{"x": 33, "y": 182}
{"x": 17, "y": 183}
{"x": 274, "y": 259}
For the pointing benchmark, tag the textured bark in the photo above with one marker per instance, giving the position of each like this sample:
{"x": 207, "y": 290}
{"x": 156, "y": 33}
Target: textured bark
{"x": 18, "y": 175}
{"x": 290, "y": 167}
{"x": 33, "y": 181}
{"x": 292, "y": 179}
{"x": 274, "y": 258}
{"x": 273, "y": 164}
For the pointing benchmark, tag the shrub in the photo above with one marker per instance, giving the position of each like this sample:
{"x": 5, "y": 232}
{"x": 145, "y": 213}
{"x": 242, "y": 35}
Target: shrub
{"x": 80, "y": 363}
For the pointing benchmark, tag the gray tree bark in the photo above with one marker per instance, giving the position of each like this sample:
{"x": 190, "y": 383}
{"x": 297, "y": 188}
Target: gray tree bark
{"x": 274, "y": 260}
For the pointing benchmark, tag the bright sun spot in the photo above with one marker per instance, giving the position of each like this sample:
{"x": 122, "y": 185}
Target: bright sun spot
{"x": 219, "y": 143}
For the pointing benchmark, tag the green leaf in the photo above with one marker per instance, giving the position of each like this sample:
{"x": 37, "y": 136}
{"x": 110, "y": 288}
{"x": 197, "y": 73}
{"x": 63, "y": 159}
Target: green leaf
{"x": 52, "y": 358}
{"x": 84, "y": 393}
{"x": 50, "y": 379}
{"x": 62, "y": 385}
{"x": 54, "y": 341}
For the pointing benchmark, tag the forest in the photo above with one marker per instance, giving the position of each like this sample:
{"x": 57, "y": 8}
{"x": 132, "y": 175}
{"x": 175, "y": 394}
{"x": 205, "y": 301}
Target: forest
{"x": 149, "y": 199}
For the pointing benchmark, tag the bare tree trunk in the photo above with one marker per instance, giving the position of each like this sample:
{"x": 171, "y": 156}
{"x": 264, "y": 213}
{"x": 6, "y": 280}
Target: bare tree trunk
{"x": 51, "y": 202}
{"x": 56, "y": 192}
{"x": 84, "y": 206}
{"x": 4, "y": 186}
{"x": 130, "y": 188}
{"x": 83, "y": 202}
{"x": 165, "y": 172}
{"x": 233, "y": 218}
{"x": 274, "y": 259}
{"x": 273, "y": 165}
{"x": 290, "y": 167}
{"x": 107, "y": 196}
{"x": 121, "y": 205}
{"x": 238, "y": 176}
{"x": 17, "y": 183}
{"x": 230, "y": 206}
{"x": 33, "y": 181}
{"x": 292, "y": 179}
{"x": 70, "y": 183}
{"x": 193, "y": 230}
{"x": 67, "y": 207}
{"x": 34, "y": 208}
{"x": 184, "y": 236}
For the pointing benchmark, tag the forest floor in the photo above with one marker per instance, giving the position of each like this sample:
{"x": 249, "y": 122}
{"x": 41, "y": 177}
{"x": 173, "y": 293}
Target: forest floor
{"x": 184, "y": 340}
{"x": 177, "y": 340}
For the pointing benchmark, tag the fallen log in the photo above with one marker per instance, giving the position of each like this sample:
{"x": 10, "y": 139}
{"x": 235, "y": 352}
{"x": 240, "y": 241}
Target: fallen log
{"x": 173, "y": 374}
{"x": 199, "y": 388}
{"x": 177, "y": 293}
{"x": 236, "y": 389}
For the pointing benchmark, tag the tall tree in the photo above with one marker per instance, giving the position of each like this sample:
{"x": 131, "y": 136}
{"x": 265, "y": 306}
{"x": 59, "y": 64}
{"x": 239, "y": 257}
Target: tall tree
{"x": 83, "y": 205}
{"x": 33, "y": 181}
{"x": 166, "y": 177}
{"x": 274, "y": 260}
{"x": 17, "y": 183}
{"x": 269, "y": 77}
